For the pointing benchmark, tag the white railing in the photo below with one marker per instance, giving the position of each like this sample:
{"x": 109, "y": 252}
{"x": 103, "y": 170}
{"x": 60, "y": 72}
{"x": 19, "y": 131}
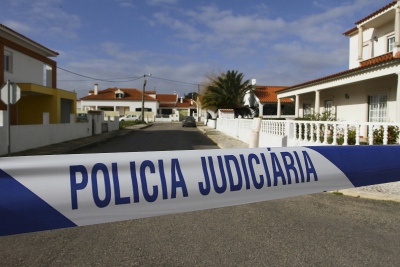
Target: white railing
{"x": 309, "y": 133}
{"x": 343, "y": 133}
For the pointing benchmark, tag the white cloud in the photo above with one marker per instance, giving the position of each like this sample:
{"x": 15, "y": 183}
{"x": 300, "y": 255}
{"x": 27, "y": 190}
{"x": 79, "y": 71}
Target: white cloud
{"x": 43, "y": 17}
{"x": 125, "y": 3}
{"x": 158, "y": 2}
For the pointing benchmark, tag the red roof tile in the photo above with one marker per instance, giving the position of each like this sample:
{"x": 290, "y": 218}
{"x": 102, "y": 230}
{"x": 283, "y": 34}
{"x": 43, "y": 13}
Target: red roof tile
{"x": 267, "y": 94}
{"x": 186, "y": 104}
{"x": 166, "y": 97}
{"x": 350, "y": 31}
{"x": 370, "y": 16}
{"x": 383, "y": 59}
{"x": 376, "y": 12}
{"x": 376, "y": 60}
{"x": 132, "y": 94}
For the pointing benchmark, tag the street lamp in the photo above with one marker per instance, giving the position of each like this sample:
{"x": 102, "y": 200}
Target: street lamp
{"x": 144, "y": 86}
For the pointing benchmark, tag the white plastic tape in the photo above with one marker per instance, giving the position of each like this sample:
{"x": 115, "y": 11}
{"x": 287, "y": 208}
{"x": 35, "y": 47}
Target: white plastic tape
{"x": 49, "y": 192}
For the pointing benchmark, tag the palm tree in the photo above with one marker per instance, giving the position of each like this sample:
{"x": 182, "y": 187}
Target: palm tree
{"x": 225, "y": 91}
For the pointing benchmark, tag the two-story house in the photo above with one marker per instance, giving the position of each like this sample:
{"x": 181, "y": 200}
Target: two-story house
{"x": 369, "y": 91}
{"x": 29, "y": 64}
{"x": 122, "y": 101}
{"x": 119, "y": 101}
{"x": 173, "y": 104}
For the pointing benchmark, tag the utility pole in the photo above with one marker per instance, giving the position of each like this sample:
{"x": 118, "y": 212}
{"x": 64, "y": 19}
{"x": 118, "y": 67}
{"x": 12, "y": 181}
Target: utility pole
{"x": 144, "y": 86}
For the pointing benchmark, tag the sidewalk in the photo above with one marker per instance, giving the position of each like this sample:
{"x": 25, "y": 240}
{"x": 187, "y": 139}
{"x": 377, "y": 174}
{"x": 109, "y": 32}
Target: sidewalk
{"x": 68, "y": 146}
{"x": 390, "y": 192}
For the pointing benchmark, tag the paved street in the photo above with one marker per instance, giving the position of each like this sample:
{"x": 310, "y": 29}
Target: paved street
{"x": 312, "y": 230}
{"x": 158, "y": 137}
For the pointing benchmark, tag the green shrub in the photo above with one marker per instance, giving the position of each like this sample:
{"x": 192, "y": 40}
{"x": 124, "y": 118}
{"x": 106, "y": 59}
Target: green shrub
{"x": 393, "y": 135}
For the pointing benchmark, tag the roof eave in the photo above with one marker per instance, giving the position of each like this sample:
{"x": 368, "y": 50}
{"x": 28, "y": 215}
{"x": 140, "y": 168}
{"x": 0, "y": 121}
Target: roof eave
{"x": 48, "y": 52}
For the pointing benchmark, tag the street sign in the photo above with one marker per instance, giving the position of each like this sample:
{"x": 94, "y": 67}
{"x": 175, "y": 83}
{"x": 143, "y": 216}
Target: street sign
{"x": 15, "y": 93}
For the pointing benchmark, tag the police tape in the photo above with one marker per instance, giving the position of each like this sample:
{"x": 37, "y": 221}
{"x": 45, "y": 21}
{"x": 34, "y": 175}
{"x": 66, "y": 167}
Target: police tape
{"x": 50, "y": 192}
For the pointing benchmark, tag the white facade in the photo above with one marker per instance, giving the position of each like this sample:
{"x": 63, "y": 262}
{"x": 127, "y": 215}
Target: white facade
{"x": 25, "y": 69}
{"x": 369, "y": 90}
{"x": 120, "y": 106}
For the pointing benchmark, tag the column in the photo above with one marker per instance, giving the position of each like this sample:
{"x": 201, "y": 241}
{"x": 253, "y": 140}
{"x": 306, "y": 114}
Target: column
{"x": 397, "y": 31}
{"x": 316, "y": 102}
{"x": 398, "y": 99}
{"x": 296, "y": 108}
{"x": 279, "y": 108}
{"x": 260, "y": 109}
{"x": 360, "y": 42}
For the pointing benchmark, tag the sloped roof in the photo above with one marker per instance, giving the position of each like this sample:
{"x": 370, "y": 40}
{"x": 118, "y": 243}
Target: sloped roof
{"x": 267, "y": 94}
{"x": 132, "y": 94}
{"x": 370, "y": 16}
{"x": 186, "y": 104}
{"x": 166, "y": 98}
{"x": 164, "y": 105}
{"x": 383, "y": 59}
{"x": 376, "y": 12}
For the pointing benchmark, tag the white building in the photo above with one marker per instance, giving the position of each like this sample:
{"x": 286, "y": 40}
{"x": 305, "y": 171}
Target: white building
{"x": 124, "y": 101}
{"x": 369, "y": 91}
{"x": 119, "y": 102}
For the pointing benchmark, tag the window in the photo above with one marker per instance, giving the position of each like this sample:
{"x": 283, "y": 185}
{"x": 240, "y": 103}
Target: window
{"x": 390, "y": 43}
{"x": 306, "y": 110}
{"x": 47, "y": 75}
{"x": 145, "y": 109}
{"x": 328, "y": 106}
{"x": 377, "y": 108}
{"x": 7, "y": 61}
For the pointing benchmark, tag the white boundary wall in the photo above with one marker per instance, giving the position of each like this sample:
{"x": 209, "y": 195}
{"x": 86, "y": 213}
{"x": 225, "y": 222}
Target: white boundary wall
{"x": 24, "y": 137}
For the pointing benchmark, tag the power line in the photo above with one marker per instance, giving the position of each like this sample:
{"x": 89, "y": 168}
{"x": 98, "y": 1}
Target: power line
{"x": 175, "y": 81}
{"x": 129, "y": 79}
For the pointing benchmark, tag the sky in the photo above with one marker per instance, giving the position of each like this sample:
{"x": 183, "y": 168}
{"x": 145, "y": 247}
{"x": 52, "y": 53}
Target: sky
{"x": 114, "y": 43}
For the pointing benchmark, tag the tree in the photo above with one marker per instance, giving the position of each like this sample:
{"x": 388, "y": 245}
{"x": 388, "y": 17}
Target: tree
{"x": 192, "y": 95}
{"x": 225, "y": 91}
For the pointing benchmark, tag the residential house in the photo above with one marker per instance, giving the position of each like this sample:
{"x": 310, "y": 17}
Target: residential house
{"x": 119, "y": 101}
{"x": 167, "y": 103}
{"x": 369, "y": 91}
{"x": 266, "y": 100}
{"x": 29, "y": 64}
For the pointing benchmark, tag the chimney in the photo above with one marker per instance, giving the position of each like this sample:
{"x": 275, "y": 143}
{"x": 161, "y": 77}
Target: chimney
{"x": 95, "y": 88}
{"x": 181, "y": 99}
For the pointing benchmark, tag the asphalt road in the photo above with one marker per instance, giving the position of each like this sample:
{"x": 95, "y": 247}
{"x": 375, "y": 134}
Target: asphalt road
{"x": 312, "y": 230}
{"x": 158, "y": 137}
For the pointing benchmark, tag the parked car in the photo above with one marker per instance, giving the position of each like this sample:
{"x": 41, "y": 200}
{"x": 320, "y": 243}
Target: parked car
{"x": 130, "y": 117}
{"x": 81, "y": 117}
{"x": 189, "y": 121}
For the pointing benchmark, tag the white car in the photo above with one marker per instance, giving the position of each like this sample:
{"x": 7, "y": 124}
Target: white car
{"x": 130, "y": 117}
